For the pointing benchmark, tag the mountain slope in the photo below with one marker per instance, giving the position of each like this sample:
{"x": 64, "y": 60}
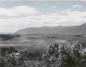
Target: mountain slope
{"x": 70, "y": 30}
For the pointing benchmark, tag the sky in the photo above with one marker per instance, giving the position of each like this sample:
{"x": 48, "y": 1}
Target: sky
{"x": 19, "y": 14}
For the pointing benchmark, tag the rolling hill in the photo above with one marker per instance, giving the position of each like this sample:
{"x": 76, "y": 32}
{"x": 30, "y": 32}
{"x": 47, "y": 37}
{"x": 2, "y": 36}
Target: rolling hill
{"x": 69, "y": 30}
{"x": 43, "y": 36}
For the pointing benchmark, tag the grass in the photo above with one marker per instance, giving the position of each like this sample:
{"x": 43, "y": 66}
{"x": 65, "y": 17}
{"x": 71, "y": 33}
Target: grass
{"x": 35, "y": 64}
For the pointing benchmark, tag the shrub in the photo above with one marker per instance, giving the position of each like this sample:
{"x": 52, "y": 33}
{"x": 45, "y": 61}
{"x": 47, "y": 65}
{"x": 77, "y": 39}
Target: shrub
{"x": 65, "y": 54}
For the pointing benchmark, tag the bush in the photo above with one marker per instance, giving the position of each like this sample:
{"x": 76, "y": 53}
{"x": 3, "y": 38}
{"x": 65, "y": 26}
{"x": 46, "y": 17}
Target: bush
{"x": 10, "y": 57}
{"x": 65, "y": 54}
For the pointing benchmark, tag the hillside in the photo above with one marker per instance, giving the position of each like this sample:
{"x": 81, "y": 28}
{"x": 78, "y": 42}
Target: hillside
{"x": 70, "y": 30}
{"x": 43, "y": 36}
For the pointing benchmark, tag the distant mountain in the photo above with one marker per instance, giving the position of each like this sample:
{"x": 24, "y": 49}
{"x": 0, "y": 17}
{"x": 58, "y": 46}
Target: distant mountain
{"x": 69, "y": 30}
{"x": 43, "y": 36}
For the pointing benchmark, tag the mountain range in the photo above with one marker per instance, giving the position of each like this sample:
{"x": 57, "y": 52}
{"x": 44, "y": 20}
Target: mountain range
{"x": 43, "y": 36}
{"x": 68, "y": 30}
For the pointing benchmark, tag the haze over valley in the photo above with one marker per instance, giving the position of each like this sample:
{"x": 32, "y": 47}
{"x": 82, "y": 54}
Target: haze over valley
{"x": 43, "y": 36}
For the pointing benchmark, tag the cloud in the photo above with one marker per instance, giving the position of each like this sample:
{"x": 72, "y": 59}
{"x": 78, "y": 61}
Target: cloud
{"x": 21, "y": 17}
{"x": 19, "y": 11}
{"x": 77, "y": 6}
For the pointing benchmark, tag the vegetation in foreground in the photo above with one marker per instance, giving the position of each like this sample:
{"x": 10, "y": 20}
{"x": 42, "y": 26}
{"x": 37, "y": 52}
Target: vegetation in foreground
{"x": 60, "y": 54}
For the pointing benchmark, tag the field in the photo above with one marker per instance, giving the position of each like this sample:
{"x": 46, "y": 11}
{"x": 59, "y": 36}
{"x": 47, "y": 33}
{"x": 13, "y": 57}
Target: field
{"x": 38, "y": 40}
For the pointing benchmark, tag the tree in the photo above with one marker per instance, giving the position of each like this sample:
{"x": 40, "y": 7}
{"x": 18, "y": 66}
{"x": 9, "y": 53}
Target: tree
{"x": 11, "y": 58}
{"x": 65, "y": 54}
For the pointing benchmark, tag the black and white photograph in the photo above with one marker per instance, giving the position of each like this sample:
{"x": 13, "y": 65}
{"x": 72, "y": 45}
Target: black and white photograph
{"x": 42, "y": 33}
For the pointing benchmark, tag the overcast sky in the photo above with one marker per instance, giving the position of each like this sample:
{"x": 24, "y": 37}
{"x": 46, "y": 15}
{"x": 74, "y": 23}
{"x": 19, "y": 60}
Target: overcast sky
{"x": 19, "y": 14}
